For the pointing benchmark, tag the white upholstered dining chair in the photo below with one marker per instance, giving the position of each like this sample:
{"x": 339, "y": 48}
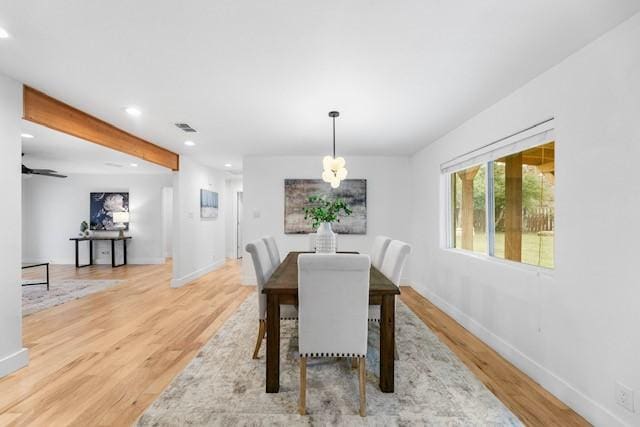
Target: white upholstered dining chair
{"x": 274, "y": 253}
{"x": 380, "y": 245}
{"x": 393, "y": 263}
{"x": 333, "y": 296}
{"x": 394, "y": 260}
{"x": 264, "y": 268}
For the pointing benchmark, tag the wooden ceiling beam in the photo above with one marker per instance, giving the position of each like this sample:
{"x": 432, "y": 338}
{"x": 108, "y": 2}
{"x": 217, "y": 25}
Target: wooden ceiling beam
{"x": 47, "y": 111}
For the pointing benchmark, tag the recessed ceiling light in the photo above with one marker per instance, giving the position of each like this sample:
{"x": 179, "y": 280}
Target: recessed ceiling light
{"x": 133, "y": 111}
{"x": 3, "y": 33}
{"x": 227, "y": 165}
{"x": 26, "y": 135}
{"x": 134, "y": 165}
{"x": 189, "y": 143}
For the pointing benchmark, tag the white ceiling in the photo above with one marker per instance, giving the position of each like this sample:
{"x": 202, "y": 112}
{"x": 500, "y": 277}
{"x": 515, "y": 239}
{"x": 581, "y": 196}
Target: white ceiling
{"x": 50, "y": 149}
{"x": 258, "y": 77}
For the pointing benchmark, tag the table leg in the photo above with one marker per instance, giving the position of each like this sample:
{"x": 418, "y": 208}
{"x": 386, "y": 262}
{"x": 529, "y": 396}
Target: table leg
{"x": 387, "y": 343}
{"x": 90, "y": 242}
{"x": 47, "y": 266}
{"x": 113, "y": 253}
{"x": 273, "y": 344}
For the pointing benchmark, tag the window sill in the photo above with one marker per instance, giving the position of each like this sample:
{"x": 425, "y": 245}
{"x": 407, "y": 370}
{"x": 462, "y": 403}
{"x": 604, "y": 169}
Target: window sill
{"x": 536, "y": 269}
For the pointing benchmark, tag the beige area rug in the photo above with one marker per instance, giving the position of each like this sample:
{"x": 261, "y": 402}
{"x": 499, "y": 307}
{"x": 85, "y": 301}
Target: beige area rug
{"x": 36, "y": 298}
{"x": 223, "y": 386}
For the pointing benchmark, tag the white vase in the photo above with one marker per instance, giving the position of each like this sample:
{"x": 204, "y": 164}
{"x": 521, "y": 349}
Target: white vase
{"x": 325, "y": 239}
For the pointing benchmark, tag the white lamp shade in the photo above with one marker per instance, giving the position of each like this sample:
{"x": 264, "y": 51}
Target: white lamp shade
{"x": 120, "y": 217}
{"x": 338, "y": 163}
{"x": 327, "y": 175}
{"x": 342, "y": 173}
{"x": 327, "y": 162}
{"x": 334, "y": 170}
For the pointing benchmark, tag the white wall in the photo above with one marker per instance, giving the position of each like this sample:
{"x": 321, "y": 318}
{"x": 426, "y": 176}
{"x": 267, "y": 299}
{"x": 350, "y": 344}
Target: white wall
{"x": 167, "y": 220}
{"x": 233, "y": 186}
{"x": 387, "y": 200}
{"x": 575, "y": 330}
{"x": 199, "y": 245}
{"x": 12, "y": 355}
{"x": 53, "y": 209}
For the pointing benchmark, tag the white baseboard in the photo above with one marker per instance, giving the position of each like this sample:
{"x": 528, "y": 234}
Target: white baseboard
{"x": 97, "y": 261}
{"x": 151, "y": 260}
{"x": 61, "y": 261}
{"x": 593, "y": 411}
{"x": 13, "y": 362}
{"x": 130, "y": 260}
{"x": 177, "y": 283}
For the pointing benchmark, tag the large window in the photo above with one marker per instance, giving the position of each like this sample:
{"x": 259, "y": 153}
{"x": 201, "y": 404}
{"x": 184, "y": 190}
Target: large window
{"x": 504, "y": 207}
{"x": 469, "y": 209}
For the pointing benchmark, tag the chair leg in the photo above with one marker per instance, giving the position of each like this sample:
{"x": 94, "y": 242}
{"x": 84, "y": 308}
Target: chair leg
{"x": 363, "y": 395}
{"x": 262, "y": 328}
{"x": 302, "y": 406}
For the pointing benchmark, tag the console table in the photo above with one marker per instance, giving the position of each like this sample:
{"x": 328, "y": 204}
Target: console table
{"x": 92, "y": 239}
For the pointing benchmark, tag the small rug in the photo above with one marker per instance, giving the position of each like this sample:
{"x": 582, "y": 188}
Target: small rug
{"x": 36, "y": 298}
{"x": 224, "y": 386}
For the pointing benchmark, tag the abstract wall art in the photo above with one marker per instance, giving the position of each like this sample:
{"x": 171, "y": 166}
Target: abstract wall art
{"x": 296, "y": 195}
{"x": 208, "y": 204}
{"x": 102, "y": 207}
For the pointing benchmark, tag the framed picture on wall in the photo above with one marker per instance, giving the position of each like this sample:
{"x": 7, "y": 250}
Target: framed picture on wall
{"x": 103, "y": 206}
{"x": 208, "y": 204}
{"x": 296, "y": 196}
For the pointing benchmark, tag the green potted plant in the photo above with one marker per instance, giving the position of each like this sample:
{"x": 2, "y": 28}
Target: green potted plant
{"x": 322, "y": 213}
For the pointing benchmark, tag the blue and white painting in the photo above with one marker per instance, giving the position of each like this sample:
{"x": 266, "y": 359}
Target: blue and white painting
{"x": 103, "y": 205}
{"x": 208, "y": 204}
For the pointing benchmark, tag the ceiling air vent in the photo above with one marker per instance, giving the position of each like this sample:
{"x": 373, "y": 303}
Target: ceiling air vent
{"x": 185, "y": 127}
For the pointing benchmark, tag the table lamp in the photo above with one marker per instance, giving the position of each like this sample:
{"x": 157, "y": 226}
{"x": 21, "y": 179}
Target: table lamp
{"x": 119, "y": 220}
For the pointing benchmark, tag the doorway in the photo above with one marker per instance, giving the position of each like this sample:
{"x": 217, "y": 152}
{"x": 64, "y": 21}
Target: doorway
{"x": 86, "y": 206}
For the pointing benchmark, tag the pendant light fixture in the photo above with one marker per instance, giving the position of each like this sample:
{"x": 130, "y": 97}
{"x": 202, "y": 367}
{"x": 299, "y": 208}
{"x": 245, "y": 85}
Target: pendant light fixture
{"x": 334, "y": 170}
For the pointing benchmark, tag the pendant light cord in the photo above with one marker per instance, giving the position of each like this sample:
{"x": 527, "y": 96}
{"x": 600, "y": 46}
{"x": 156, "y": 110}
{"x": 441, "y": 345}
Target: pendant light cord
{"x": 334, "y": 137}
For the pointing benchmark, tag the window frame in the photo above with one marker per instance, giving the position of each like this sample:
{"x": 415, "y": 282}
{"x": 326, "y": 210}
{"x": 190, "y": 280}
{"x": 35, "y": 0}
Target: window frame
{"x": 489, "y": 254}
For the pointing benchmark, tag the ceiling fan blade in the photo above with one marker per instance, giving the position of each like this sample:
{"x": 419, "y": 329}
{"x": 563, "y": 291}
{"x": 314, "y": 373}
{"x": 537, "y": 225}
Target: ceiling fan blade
{"x": 47, "y": 173}
{"x": 44, "y": 171}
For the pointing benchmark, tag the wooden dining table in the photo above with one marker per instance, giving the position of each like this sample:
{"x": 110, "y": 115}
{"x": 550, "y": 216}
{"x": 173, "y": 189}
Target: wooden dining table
{"x": 282, "y": 288}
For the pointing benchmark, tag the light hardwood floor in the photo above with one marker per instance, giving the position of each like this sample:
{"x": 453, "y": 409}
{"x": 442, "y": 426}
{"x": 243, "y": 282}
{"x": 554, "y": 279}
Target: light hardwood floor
{"x": 103, "y": 359}
{"x": 524, "y": 397}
